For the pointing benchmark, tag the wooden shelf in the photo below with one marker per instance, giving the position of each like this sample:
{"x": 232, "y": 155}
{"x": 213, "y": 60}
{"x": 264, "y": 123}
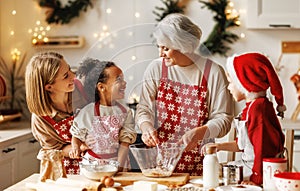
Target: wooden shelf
{"x": 290, "y": 46}
{"x": 4, "y": 118}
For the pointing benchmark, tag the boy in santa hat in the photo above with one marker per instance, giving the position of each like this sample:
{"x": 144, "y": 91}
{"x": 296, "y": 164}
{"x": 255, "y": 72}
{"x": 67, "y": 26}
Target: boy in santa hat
{"x": 259, "y": 134}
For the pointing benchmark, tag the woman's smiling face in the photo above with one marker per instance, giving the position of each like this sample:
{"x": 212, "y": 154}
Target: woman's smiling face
{"x": 173, "y": 57}
{"x": 64, "y": 81}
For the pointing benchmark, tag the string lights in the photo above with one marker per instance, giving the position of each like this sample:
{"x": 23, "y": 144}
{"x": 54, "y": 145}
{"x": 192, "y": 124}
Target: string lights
{"x": 39, "y": 33}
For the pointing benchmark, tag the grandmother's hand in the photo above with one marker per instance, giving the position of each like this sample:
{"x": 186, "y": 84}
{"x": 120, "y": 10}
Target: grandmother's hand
{"x": 192, "y": 137}
{"x": 149, "y": 134}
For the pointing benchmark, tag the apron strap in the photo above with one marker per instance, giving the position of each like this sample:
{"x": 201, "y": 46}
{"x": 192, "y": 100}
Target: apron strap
{"x": 121, "y": 107}
{"x": 49, "y": 120}
{"x": 206, "y": 72}
{"x": 204, "y": 78}
{"x": 164, "y": 69}
{"x": 97, "y": 108}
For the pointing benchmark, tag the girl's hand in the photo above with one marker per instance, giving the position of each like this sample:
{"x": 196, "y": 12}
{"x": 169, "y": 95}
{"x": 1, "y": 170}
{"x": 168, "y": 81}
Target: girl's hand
{"x": 84, "y": 147}
{"x": 90, "y": 141}
{"x": 75, "y": 152}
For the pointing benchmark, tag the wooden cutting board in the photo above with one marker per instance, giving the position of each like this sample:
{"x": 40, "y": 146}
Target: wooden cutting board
{"x": 127, "y": 178}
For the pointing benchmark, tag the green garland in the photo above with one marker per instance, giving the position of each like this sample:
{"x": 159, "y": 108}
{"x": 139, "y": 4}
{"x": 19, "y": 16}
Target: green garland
{"x": 219, "y": 38}
{"x": 171, "y": 6}
{"x": 63, "y": 15}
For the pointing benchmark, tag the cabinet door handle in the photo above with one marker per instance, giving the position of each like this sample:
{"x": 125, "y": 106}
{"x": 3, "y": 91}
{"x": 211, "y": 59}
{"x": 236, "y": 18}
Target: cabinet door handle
{"x": 8, "y": 150}
{"x": 32, "y": 141}
{"x": 280, "y": 25}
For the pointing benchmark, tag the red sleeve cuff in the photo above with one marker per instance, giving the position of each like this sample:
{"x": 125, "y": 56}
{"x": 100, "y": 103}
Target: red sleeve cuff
{"x": 257, "y": 179}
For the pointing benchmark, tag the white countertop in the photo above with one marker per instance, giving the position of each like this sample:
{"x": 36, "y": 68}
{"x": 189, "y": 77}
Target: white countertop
{"x": 12, "y": 132}
{"x": 24, "y": 185}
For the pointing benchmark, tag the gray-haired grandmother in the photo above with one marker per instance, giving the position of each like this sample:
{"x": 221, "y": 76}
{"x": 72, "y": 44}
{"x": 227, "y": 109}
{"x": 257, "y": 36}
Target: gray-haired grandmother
{"x": 184, "y": 96}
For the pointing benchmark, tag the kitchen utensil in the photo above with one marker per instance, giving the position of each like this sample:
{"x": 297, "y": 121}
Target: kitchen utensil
{"x": 128, "y": 178}
{"x": 159, "y": 161}
{"x": 270, "y": 167}
{"x": 287, "y": 181}
{"x": 232, "y": 174}
{"x": 96, "y": 170}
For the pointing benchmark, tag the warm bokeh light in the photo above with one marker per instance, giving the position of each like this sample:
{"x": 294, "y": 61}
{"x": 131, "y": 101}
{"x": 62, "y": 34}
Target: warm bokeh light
{"x": 15, "y": 54}
{"x": 137, "y": 15}
{"x": 108, "y": 10}
{"x": 39, "y": 33}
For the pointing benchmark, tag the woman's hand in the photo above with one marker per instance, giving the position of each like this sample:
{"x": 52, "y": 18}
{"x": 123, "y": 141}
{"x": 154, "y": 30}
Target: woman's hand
{"x": 192, "y": 137}
{"x": 149, "y": 134}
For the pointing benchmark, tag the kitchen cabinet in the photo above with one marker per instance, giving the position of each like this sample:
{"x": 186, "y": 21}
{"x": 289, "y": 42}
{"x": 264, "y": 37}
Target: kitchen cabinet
{"x": 18, "y": 151}
{"x": 273, "y": 14}
{"x": 27, "y": 161}
{"x": 8, "y": 165}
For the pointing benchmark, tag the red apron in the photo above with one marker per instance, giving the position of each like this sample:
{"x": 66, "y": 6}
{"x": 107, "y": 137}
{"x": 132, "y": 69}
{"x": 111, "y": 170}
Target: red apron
{"x": 62, "y": 128}
{"x": 180, "y": 108}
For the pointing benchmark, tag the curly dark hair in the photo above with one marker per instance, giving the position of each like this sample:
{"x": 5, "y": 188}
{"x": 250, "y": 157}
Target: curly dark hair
{"x": 93, "y": 71}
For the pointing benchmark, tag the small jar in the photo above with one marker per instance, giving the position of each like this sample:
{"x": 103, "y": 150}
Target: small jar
{"x": 232, "y": 174}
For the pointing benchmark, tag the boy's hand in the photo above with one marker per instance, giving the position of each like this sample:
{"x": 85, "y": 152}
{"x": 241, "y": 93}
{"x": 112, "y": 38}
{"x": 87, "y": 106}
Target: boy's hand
{"x": 204, "y": 147}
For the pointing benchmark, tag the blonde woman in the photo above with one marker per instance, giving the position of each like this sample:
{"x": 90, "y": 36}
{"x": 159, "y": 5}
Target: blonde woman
{"x": 49, "y": 84}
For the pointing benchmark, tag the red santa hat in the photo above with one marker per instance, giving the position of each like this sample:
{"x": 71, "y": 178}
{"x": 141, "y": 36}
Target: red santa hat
{"x": 253, "y": 74}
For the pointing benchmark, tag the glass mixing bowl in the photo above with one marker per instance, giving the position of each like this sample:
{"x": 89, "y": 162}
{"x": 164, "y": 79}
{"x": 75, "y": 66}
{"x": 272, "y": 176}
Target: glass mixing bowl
{"x": 95, "y": 170}
{"x": 159, "y": 161}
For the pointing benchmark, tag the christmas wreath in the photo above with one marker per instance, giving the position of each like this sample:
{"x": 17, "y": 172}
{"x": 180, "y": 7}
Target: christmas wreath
{"x": 60, "y": 14}
{"x": 171, "y": 6}
{"x": 217, "y": 41}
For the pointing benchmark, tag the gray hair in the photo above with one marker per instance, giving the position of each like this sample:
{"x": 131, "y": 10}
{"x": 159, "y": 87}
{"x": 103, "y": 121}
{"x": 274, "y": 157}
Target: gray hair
{"x": 178, "y": 32}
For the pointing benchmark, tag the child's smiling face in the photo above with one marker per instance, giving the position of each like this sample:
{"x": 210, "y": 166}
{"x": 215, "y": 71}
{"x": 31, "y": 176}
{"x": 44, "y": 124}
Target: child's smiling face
{"x": 115, "y": 85}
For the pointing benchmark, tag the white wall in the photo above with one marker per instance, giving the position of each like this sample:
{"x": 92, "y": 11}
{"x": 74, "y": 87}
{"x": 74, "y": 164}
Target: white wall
{"x": 120, "y": 20}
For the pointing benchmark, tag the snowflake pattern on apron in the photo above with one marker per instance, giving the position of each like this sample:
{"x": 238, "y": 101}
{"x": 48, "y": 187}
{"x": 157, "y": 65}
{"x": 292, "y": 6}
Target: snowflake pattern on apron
{"x": 180, "y": 108}
{"x": 62, "y": 128}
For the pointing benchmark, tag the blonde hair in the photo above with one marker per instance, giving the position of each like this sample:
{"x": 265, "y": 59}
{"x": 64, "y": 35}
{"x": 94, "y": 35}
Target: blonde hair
{"x": 40, "y": 71}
